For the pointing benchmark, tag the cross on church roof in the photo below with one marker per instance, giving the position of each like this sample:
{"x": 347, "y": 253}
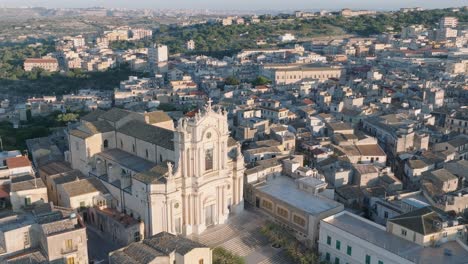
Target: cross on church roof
{"x": 208, "y": 104}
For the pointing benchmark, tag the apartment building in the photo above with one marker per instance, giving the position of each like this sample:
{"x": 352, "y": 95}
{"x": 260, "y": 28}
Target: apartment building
{"x": 141, "y": 33}
{"x": 351, "y": 13}
{"x": 47, "y": 64}
{"x": 458, "y": 121}
{"x": 426, "y": 227}
{"x": 27, "y": 192}
{"x": 457, "y": 145}
{"x": 451, "y": 22}
{"x": 50, "y": 234}
{"x": 348, "y": 238}
{"x": 396, "y": 133}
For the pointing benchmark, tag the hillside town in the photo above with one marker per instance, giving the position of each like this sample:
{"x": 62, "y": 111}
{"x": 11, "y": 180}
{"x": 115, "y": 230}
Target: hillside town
{"x": 353, "y": 148}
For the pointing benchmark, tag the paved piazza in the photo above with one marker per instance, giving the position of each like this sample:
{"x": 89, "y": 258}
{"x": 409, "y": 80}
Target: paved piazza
{"x": 241, "y": 235}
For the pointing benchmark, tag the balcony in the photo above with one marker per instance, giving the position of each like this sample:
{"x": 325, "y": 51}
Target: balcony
{"x": 69, "y": 250}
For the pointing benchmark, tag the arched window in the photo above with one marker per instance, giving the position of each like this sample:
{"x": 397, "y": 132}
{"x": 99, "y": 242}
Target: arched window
{"x": 208, "y": 159}
{"x": 160, "y": 158}
{"x": 121, "y": 144}
{"x": 133, "y": 148}
{"x": 147, "y": 154}
{"x": 106, "y": 143}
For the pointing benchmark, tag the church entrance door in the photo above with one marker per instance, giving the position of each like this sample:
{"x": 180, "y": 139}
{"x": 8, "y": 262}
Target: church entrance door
{"x": 209, "y": 215}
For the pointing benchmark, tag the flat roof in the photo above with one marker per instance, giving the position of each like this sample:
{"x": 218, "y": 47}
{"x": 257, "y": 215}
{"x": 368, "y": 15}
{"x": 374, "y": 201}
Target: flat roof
{"x": 378, "y": 236}
{"x": 17, "y": 162}
{"x": 285, "y": 189}
{"x": 311, "y": 181}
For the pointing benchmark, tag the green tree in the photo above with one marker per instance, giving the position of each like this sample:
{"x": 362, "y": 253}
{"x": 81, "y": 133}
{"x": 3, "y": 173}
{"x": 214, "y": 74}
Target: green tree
{"x": 231, "y": 80}
{"x": 261, "y": 80}
{"x": 222, "y": 256}
{"x": 68, "y": 117}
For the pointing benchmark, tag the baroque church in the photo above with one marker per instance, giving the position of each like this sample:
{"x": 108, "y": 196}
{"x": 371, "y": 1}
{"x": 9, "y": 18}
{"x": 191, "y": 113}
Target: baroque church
{"x": 179, "y": 177}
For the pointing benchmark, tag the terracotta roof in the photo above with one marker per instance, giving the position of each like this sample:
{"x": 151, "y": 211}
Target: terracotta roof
{"x": 192, "y": 113}
{"x": 38, "y": 60}
{"x": 4, "y": 191}
{"x": 371, "y": 150}
{"x": 17, "y": 162}
{"x": 196, "y": 93}
{"x": 122, "y": 218}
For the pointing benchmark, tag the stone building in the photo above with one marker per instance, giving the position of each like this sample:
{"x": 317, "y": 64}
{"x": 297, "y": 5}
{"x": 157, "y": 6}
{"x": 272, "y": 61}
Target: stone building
{"x": 26, "y": 192}
{"x": 163, "y": 248}
{"x": 178, "y": 180}
{"x": 47, "y": 64}
{"x": 48, "y": 234}
{"x": 293, "y": 203}
{"x": 294, "y": 73}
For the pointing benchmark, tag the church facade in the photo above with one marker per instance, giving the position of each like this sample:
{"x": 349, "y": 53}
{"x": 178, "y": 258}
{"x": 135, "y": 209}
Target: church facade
{"x": 176, "y": 177}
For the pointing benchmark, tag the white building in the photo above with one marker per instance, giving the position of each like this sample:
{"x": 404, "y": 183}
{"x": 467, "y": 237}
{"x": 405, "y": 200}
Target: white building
{"x": 157, "y": 54}
{"x": 26, "y": 192}
{"x": 348, "y": 238}
{"x": 316, "y": 125}
{"x": 448, "y": 22}
{"x": 47, "y": 235}
{"x": 287, "y": 37}
{"x": 141, "y": 33}
{"x": 191, "y": 44}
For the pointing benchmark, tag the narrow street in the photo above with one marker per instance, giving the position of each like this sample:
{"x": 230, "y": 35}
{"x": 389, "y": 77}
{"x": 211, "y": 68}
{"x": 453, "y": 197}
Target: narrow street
{"x": 98, "y": 247}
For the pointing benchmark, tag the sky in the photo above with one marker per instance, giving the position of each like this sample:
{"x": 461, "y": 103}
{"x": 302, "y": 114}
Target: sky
{"x": 239, "y": 4}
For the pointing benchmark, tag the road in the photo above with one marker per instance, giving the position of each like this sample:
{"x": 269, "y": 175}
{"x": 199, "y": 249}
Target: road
{"x": 98, "y": 247}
